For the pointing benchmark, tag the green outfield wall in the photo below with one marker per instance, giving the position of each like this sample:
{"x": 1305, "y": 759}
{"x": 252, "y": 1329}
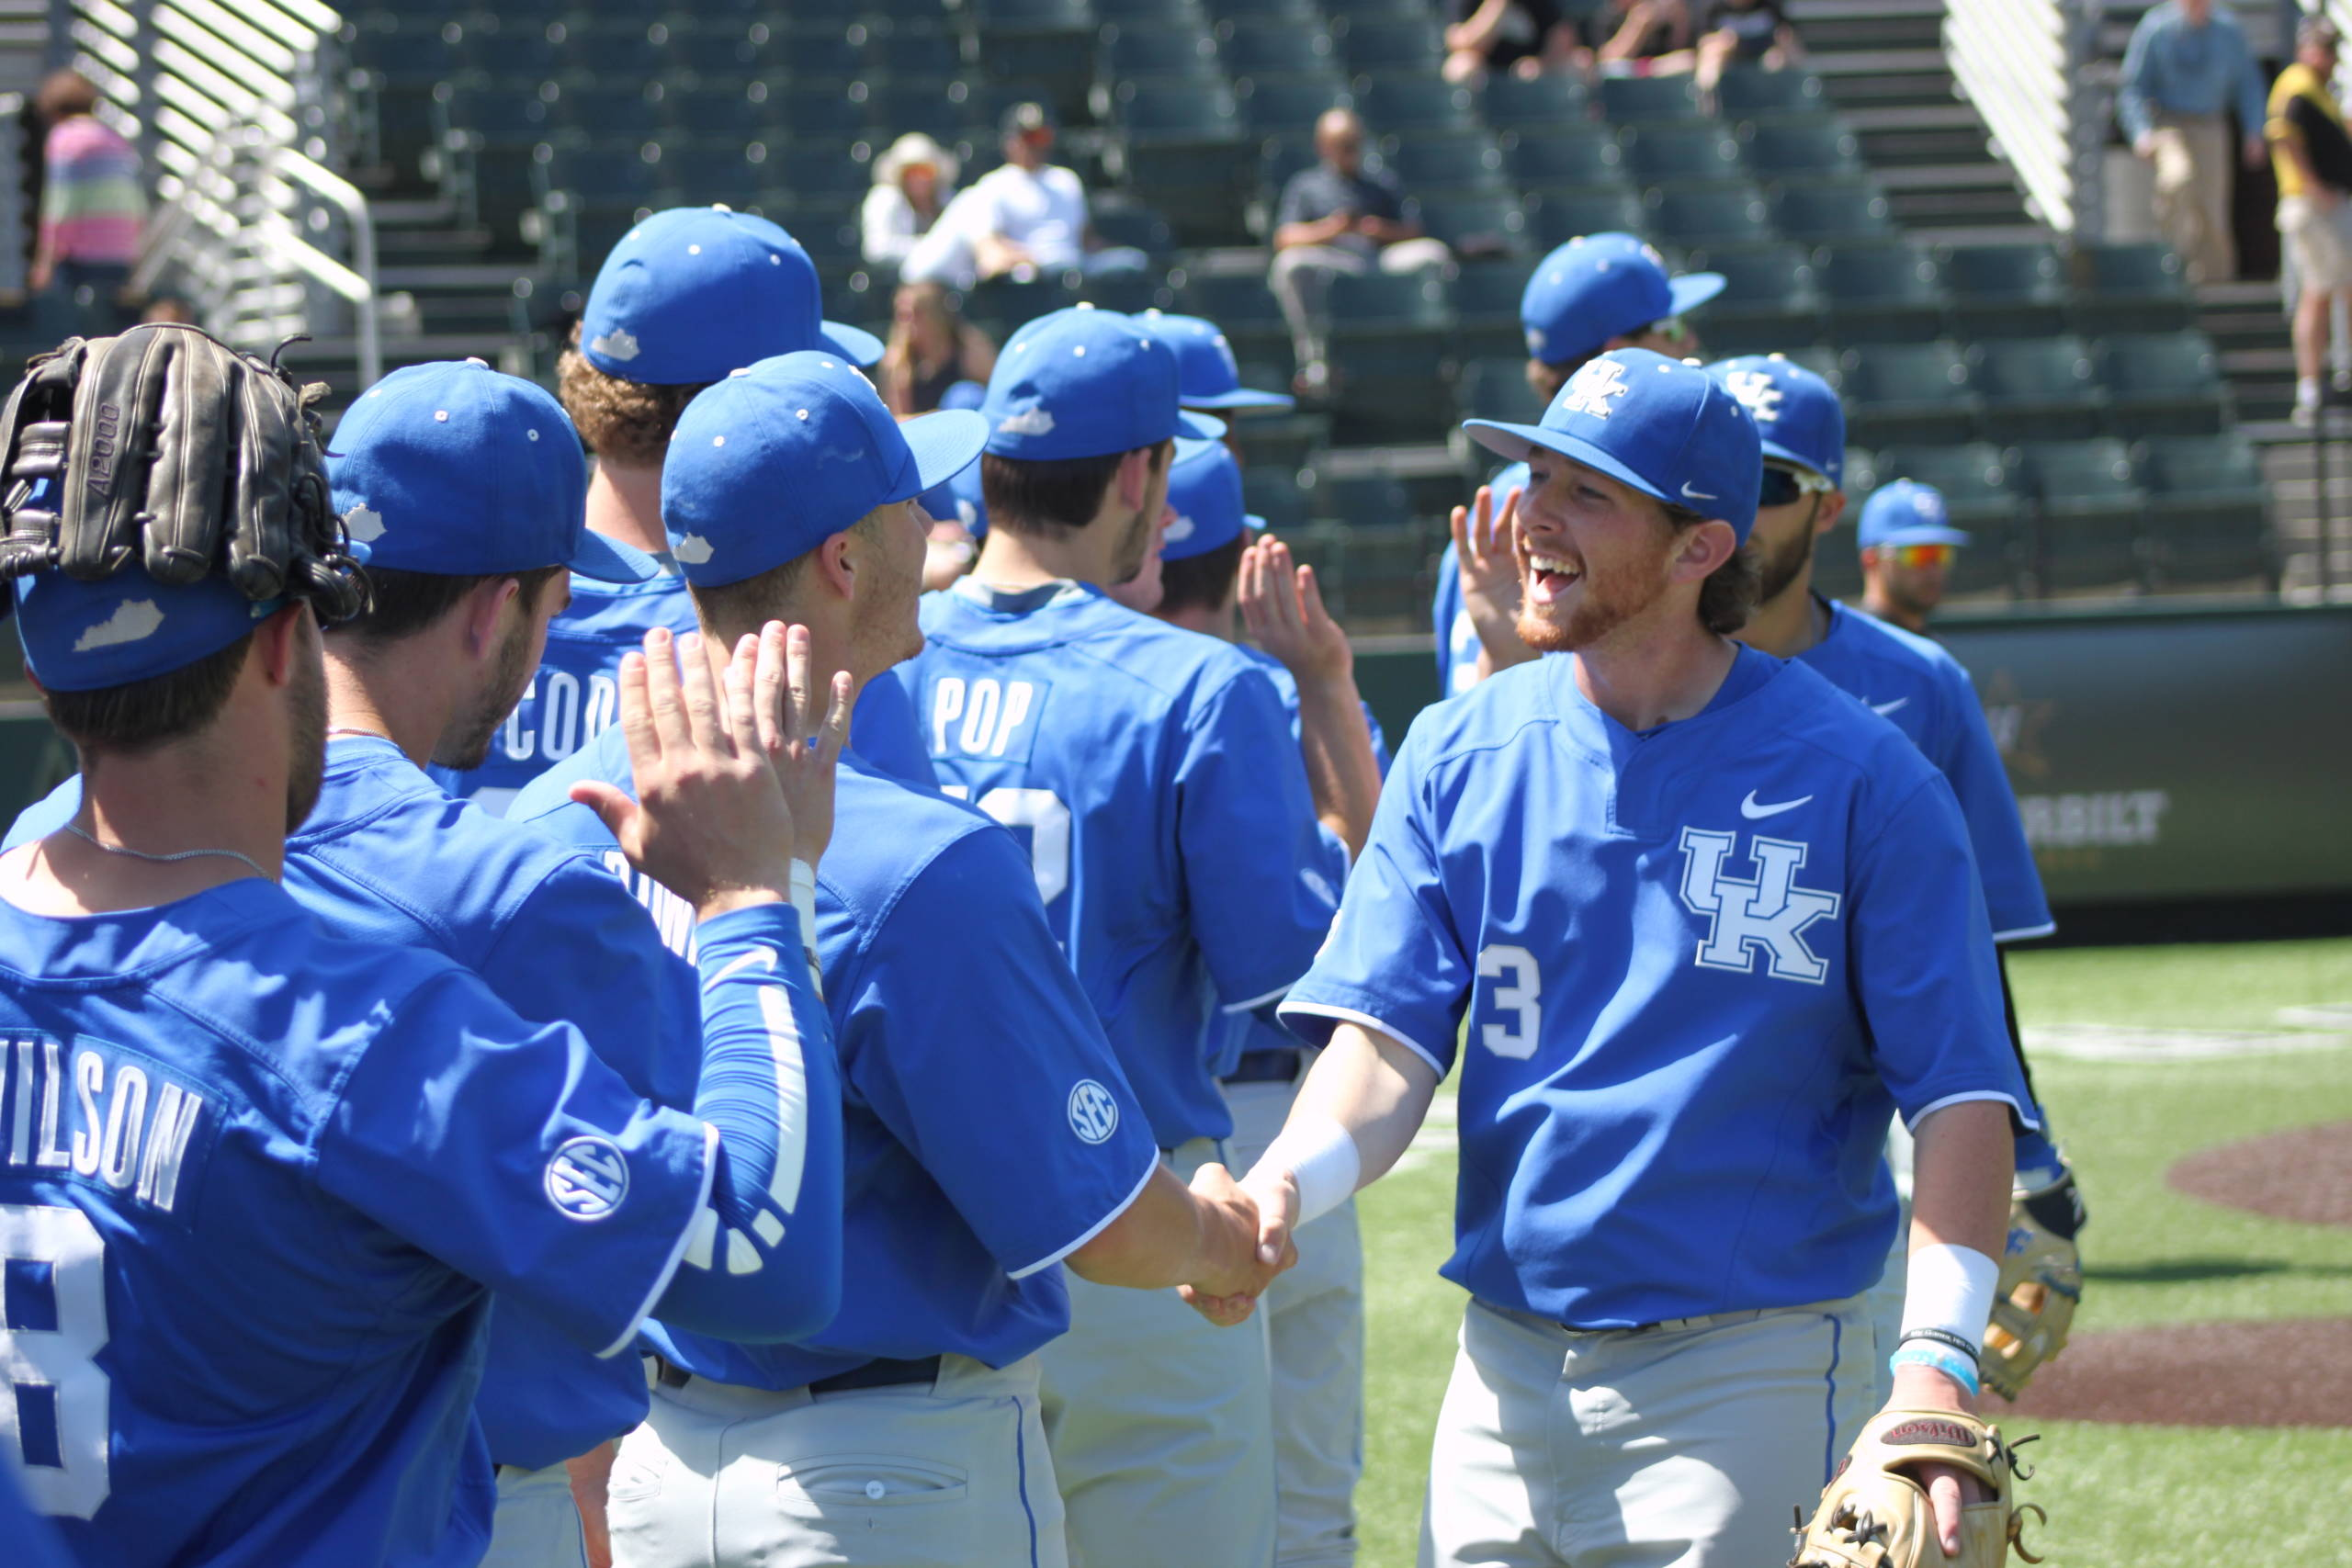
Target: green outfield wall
{"x": 2157, "y": 753}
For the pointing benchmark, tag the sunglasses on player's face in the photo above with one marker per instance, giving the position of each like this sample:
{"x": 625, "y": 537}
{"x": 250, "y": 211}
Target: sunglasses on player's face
{"x": 1911, "y": 557}
{"x": 1784, "y": 487}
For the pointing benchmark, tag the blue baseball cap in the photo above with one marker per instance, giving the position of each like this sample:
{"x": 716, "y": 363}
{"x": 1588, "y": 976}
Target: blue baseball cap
{"x": 1663, "y": 426}
{"x": 457, "y": 470}
{"x": 958, "y": 499}
{"x": 1908, "y": 512}
{"x": 1797, "y": 412}
{"x": 1604, "y": 285}
{"x": 780, "y": 456}
{"x": 694, "y": 292}
{"x": 1205, "y": 492}
{"x": 1086, "y": 383}
{"x": 1206, "y": 376}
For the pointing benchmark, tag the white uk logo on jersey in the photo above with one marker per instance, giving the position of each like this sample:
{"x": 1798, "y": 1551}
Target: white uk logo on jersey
{"x": 1591, "y": 389}
{"x": 1756, "y": 390}
{"x": 1093, "y": 1115}
{"x": 588, "y": 1177}
{"x": 1768, "y": 913}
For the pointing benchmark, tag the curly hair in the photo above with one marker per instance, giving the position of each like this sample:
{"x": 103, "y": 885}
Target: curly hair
{"x": 627, "y": 423}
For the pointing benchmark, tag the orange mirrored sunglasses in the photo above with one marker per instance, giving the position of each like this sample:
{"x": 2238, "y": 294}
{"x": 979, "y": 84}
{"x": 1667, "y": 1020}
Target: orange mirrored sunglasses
{"x": 1913, "y": 557}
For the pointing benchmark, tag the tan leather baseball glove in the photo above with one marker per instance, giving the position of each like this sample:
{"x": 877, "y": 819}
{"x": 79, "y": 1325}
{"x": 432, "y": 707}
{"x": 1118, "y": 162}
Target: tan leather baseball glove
{"x": 1875, "y": 1512}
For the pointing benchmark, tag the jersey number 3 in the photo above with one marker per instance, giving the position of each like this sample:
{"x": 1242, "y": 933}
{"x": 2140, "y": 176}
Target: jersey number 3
{"x": 1520, "y": 994}
{"x": 1041, "y": 812}
{"x": 53, "y": 1403}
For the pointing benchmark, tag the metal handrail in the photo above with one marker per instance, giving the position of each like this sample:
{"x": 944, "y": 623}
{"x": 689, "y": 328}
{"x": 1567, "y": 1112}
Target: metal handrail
{"x": 2018, "y": 61}
{"x": 356, "y": 283}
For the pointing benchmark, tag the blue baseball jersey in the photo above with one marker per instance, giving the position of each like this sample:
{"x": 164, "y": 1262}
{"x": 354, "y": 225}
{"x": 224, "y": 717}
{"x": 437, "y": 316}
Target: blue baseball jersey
{"x": 261, "y": 1180}
{"x": 1457, "y": 637}
{"x": 1914, "y": 685}
{"x": 1701, "y": 964}
{"x": 986, "y": 1128}
{"x": 1155, "y": 773}
{"x": 575, "y": 696}
{"x": 387, "y": 856}
{"x": 32, "y": 1543}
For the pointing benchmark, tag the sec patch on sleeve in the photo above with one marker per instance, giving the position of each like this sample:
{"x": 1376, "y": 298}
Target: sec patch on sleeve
{"x": 1093, "y": 1113}
{"x": 587, "y": 1178}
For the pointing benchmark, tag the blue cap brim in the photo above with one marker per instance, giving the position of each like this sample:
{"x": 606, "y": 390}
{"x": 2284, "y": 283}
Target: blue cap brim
{"x": 1199, "y": 426}
{"x": 944, "y": 442}
{"x": 610, "y": 560}
{"x": 1693, "y": 290}
{"x": 1775, "y": 452}
{"x": 860, "y": 347}
{"x": 1242, "y": 398}
{"x": 1922, "y": 537}
{"x": 1515, "y": 441}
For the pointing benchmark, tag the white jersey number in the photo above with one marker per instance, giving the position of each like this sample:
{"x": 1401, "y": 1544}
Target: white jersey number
{"x": 1519, "y": 995}
{"x": 60, "y": 1363}
{"x": 1041, "y": 812}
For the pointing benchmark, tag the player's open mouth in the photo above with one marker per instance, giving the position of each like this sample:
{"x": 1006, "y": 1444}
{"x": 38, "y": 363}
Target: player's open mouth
{"x": 1548, "y": 577}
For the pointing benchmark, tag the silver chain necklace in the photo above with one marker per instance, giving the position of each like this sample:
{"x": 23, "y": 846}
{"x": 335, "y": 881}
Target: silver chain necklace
{"x": 167, "y": 860}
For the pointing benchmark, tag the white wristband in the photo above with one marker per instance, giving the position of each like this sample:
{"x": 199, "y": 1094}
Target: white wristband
{"x": 1951, "y": 1288}
{"x": 1323, "y": 1162}
{"x": 804, "y": 902}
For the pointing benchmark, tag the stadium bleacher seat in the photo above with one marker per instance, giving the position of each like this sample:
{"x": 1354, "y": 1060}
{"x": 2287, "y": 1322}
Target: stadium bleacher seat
{"x": 1548, "y": 103}
{"x": 521, "y": 55}
{"x": 890, "y": 109}
{"x": 1983, "y": 499}
{"x": 2162, "y": 383}
{"x": 1271, "y": 490}
{"x": 1237, "y": 301}
{"x": 1394, "y": 103}
{"x": 1554, "y": 218}
{"x": 1882, "y": 293}
{"x": 1170, "y": 12}
{"x": 1487, "y": 294}
{"x": 1825, "y": 213}
{"x": 1477, "y": 224}
{"x": 1381, "y": 304}
{"x": 823, "y": 53}
{"x": 1730, "y": 214}
{"x": 1906, "y": 392}
{"x": 2008, "y": 289}
{"x": 1251, "y": 46}
{"x": 1743, "y": 94}
{"x": 1148, "y": 49}
{"x": 2089, "y": 508}
{"x": 1798, "y": 149}
{"x": 1127, "y": 291}
{"x": 1563, "y": 156}
{"x": 2039, "y": 389}
{"x": 1674, "y": 152}
{"x": 2208, "y": 513}
{"x": 2128, "y": 287}
{"x": 1299, "y": 13}
{"x": 1358, "y": 498}
{"x": 1162, "y": 111}
{"x": 1287, "y": 104}
{"x": 1629, "y": 100}
{"x": 1463, "y": 161}
{"x": 1122, "y": 220}
{"x": 1495, "y": 387}
{"x": 711, "y": 56}
{"x": 1405, "y": 45}
{"x": 1769, "y": 304}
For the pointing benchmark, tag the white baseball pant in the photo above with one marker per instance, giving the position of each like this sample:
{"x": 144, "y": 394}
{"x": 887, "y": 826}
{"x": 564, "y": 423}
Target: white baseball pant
{"x": 1681, "y": 1446}
{"x": 537, "y": 1524}
{"x": 940, "y": 1475}
{"x": 1161, "y": 1427}
{"x": 1314, "y": 1318}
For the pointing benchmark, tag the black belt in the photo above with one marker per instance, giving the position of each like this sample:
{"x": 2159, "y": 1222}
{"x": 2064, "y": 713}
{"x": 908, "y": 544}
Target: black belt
{"x": 880, "y": 1373}
{"x": 1281, "y": 1065}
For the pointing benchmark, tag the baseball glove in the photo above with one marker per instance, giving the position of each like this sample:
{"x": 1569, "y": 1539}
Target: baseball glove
{"x": 166, "y": 446}
{"x": 1875, "y": 1512}
{"x": 2040, "y": 1287}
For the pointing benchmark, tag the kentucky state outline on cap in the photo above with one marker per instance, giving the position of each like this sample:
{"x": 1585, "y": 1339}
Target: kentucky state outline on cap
{"x": 694, "y": 292}
{"x": 1599, "y": 286}
{"x": 1797, "y": 412}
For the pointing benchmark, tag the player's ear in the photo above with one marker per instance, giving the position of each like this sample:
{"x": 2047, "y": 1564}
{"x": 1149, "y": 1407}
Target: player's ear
{"x": 1833, "y": 507}
{"x": 1702, "y": 547}
{"x": 482, "y": 610}
{"x": 837, "y": 563}
{"x": 281, "y": 643}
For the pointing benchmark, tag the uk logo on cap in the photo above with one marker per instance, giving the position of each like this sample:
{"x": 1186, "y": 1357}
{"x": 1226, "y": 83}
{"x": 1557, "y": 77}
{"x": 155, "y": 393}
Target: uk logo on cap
{"x": 1798, "y": 413}
{"x": 1589, "y": 389}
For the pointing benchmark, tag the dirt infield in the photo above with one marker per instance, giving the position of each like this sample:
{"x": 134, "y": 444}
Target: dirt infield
{"x": 2304, "y": 1174}
{"x": 2293, "y": 1373}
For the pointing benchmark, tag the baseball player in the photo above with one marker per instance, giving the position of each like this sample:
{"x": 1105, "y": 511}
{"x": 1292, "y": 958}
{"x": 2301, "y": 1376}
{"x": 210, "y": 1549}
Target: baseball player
{"x": 685, "y": 297}
{"x": 270, "y": 1175}
{"x": 1908, "y": 547}
{"x": 990, "y": 1134}
{"x": 32, "y": 1543}
{"x": 1176, "y": 846}
{"x": 1593, "y": 294}
{"x": 1207, "y": 378}
{"x": 1707, "y": 925}
{"x": 1314, "y": 1313}
{"x": 1914, "y": 685}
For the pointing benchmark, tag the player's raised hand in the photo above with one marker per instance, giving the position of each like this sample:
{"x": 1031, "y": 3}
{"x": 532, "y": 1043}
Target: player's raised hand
{"x": 801, "y": 726}
{"x": 1484, "y": 540}
{"x": 1282, "y": 609}
{"x": 709, "y": 821}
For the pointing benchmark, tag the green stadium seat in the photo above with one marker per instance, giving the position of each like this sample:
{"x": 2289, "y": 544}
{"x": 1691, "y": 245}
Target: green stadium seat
{"x": 1629, "y": 100}
{"x": 1382, "y": 384}
{"x": 891, "y": 109}
{"x": 1287, "y": 104}
{"x": 1237, "y": 301}
{"x": 415, "y": 55}
{"x": 1495, "y": 387}
{"x": 2006, "y": 289}
{"x": 2036, "y": 388}
{"x": 741, "y": 52}
{"x": 1405, "y": 46}
{"x": 1906, "y": 392}
{"x": 2208, "y": 520}
{"x": 1828, "y": 212}
{"x": 1554, "y": 218}
{"x": 1810, "y": 148}
{"x": 1709, "y": 215}
{"x": 1297, "y": 13}
{"x": 612, "y": 114}
{"x": 1003, "y": 306}
{"x": 2090, "y": 507}
{"x": 828, "y": 53}
{"x": 1477, "y": 224}
{"x": 1380, "y": 303}
{"x": 1675, "y": 153}
{"x": 2162, "y": 384}
{"x": 1358, "y": 498}
{"x": 2129, "y": 289}
{"x": 1773, "y": 281}
{"x": 1393, "y": 104}
{"x": 1487, "y": 294}
{"x": 1437, "y": 161}
{"x": 1255, "y": 47}
{"x": 1122, "y": 220}
{"x": 1984, "y": 499}
{"x": 519, "y": 55}
{"x": 1882, "y": 293}
{"x": 1271, "y": 491}
{"x": 1745, "y": 92}
{"x": 1147, "y": 48}
{"x": 1563, "y": 156}
{"x": 1550, "y": 102}
{"x": 1126, "y": 291}
{"x": 1199, "y": 187}
{"x": 1167, "y": 13}
{"x": 912, "y": 55}
{"x": 1176, "y": 111}
{"x": 620, "y": 47}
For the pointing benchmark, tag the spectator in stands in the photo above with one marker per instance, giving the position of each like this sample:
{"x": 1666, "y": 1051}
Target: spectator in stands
{"x": 2187, "y": 68}
{"x": 1908, "y": 548}
{"x": 930, "y": 350}
{"x": 92, "y": 207}
{"x": 1339, "y": 217}
{"x": 2313, "y": 161}
{"x": 1623, "y": 37}
{"x": 1022, "y": 219}
{"x": 1525, "y": 38}
{"x": 1752, "y": 33}
{"x": 912, "y": 183}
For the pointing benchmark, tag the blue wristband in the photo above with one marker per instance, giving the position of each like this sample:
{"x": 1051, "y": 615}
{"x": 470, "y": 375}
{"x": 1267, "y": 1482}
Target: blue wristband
{"x": 1925, "y": 1353}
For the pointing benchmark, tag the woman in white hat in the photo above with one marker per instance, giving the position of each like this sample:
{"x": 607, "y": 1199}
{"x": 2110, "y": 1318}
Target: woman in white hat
{"x": 912, "y": 181}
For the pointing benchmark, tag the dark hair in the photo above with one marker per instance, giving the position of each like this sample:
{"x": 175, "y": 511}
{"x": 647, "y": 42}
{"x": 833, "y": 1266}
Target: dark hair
{"x": 403, "y": 603}
{"x": 1728, "y": 596}
{"x": 139, "y": 714}
{"x": 1051, "y": 496}
{"x": 1204, "y": 581}
{"x": 624, "y": 421}
{"x": 64, "y": 94}
{"x": 1556, "y": 374}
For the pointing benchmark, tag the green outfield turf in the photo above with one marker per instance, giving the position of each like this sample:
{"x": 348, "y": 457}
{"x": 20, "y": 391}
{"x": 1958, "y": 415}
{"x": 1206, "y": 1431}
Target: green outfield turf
{"x": 2118, "y": 1497}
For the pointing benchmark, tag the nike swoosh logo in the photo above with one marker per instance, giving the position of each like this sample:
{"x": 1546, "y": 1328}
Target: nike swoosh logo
{"x": 1888, "y": 708}
{"x": 1756, "y": 813}
{"x": 1690, "y": 495}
